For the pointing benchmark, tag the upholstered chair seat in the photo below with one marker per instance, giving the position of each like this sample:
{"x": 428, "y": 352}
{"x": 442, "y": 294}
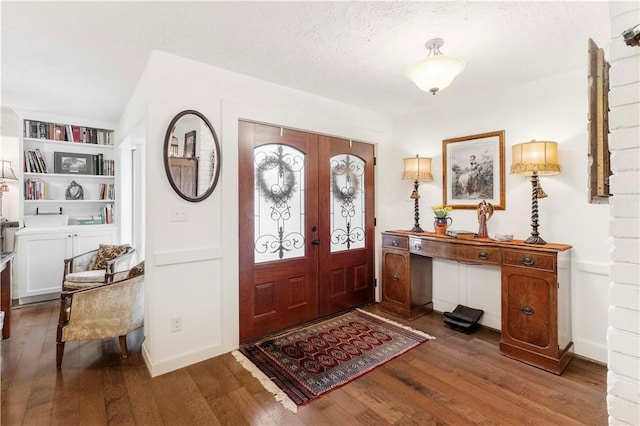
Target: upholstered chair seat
{"x": 84, "y": 279}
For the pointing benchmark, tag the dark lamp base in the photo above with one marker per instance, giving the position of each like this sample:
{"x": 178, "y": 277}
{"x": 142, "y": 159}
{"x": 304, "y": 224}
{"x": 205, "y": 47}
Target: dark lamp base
{"x": 535, "y": 240}
{"x": 416, "y": 229}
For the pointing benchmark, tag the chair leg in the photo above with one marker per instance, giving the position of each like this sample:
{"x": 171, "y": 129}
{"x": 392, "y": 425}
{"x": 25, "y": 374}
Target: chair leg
{"x": 59, "y": 354}
{"x": 123, "y": 346}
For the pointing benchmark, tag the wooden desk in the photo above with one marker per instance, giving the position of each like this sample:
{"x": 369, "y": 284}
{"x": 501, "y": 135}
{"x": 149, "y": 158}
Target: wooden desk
{"x": 535, "y": 286}
{"x": 6, "y": 266}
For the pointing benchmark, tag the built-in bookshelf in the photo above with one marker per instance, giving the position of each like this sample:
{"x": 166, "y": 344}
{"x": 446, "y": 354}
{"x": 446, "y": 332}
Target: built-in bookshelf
{"x": 69, "y": 168}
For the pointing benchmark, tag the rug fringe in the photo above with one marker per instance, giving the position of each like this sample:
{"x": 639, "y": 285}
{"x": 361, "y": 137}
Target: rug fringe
{"x": 266, "y": 382}
{"x": 397, "y": 324}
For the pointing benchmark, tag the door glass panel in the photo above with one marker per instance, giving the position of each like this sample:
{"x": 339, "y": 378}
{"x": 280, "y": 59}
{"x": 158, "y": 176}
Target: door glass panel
{"x": 347, "y": 203}
{"x": 279, "y": 186}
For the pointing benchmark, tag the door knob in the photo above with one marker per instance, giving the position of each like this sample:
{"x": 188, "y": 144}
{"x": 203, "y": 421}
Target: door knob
{"x": 315, "y": 242}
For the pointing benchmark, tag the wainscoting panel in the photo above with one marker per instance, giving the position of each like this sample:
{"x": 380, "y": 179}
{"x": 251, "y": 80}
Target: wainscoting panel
{"x": 479, "y": 287}
{"x": 590, "y": 302}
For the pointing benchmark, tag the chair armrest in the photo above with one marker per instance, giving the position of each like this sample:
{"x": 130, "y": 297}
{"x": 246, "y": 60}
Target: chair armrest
{"x": 119, "y": 264}
{"x": 66, "y": 297}
{"x": 117, "y": 276}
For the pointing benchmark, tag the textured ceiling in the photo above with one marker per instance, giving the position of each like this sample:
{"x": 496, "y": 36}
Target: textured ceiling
{"x": 85, "y": 58}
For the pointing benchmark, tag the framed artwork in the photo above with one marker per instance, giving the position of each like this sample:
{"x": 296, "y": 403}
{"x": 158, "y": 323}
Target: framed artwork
{"x": 190, "y": 144}
{"x": 73, "y": 163}
{"x": 599, "y": 162}
{"x": 473, "y": 170}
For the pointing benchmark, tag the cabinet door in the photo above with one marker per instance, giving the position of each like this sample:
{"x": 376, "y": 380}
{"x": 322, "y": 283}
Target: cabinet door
{"x": 395, "y": 278}
{"x": 528, "y": 310}
{"x": 84, "y": 241}
{"x": 41, "y": 263}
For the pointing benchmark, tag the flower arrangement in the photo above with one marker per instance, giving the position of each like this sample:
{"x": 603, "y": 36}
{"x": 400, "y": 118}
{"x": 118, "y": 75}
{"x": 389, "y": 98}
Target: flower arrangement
{"x": 441, "y": 211}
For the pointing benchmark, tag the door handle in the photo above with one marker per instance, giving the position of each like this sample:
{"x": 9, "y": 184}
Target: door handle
{"x": 315, "y": 242}
{"x": 527, "y": 310}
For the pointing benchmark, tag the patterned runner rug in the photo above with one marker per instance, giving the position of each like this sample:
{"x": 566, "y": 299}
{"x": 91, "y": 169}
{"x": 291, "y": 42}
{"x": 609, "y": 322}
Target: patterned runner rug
{"x": 300, "y": 365}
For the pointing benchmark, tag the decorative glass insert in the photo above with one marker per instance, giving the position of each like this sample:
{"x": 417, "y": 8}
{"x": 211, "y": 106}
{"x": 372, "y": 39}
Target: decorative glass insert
{"x": 279, "y": 196}
{"x": 347, "y": 203}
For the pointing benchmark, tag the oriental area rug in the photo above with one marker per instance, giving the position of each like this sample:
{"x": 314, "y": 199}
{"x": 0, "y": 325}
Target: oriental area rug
{"x": 300, "y": 365}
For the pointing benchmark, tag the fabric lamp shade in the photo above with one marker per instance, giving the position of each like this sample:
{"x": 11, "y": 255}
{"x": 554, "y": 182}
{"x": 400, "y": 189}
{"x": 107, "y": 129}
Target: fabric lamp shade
{"x": 540, "y": 157}
{"x": 417, "y": 168}
{"x": 7, "y": 173}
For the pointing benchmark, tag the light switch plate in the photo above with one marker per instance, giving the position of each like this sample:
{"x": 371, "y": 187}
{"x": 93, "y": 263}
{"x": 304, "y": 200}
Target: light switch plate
{"x": 179, "y": 214}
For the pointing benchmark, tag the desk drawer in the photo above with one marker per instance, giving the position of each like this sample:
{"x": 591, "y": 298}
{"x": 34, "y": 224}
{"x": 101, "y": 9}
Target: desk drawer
{"x": 395, "y": 241}
{"x": 431, "y": 249}
{"x": 529, "y": 259}
{"x": 485, "y": 255}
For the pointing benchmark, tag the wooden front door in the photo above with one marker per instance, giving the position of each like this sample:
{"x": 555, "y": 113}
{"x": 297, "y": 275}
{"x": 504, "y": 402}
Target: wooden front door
{"x": 306, "y": 227}
{"x": 346, "y": 224}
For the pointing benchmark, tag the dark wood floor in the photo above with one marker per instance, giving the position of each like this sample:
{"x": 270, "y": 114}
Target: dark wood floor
{"x": 456, "y": 379}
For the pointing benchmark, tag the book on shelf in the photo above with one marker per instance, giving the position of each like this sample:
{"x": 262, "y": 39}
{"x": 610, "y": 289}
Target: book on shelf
{"x": 60, "y": 133}
{"x": 67, "y": 132}
{"x": 462, "y": 234}
{"x": 75, "y": 131}
{"x": 89, "y": 220}
{"x": 34, "y": 162}
{"x": 99, "y": 169}
{"x": 35, "y": 189}
{"x": 106, "y": 191}
{"x": 107, "y": 214}
{"x": 41, "y": 163}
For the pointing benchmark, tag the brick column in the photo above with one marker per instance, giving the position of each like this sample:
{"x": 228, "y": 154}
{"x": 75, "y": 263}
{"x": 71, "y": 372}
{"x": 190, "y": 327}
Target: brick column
{"x": 623, "y": 333}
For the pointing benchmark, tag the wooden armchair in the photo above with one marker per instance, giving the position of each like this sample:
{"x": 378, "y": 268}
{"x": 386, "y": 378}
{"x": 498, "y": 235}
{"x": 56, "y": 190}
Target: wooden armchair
{"x": 108, "y": 310}
{"x": 96, "y": 267}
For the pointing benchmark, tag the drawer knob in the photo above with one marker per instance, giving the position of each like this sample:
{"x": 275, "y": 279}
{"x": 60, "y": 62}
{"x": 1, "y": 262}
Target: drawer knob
{"x": 483, "y": 255}
{"x": 527, "y": 310}
{"x": 417, "y": 246}
{"x": 394, "y": 243}
{"x": 527, "y": 261}
{"x": 395, "y": 277}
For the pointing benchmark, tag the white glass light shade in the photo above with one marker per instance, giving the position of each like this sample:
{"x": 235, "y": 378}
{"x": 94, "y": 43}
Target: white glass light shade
{"x": 435, "y": 73}
{"x": 417, "y": 168}
{"x": 535, "y": 156}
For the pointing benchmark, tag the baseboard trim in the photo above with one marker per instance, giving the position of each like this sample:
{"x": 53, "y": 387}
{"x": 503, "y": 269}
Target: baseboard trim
{"x": 181, "y": 361}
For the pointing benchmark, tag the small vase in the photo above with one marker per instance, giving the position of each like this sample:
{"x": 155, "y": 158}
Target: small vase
{"x": 441, "y": 224}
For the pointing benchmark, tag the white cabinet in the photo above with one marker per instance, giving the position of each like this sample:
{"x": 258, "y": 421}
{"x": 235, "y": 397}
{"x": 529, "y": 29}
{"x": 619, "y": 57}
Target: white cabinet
{"x": 41, "y": 253}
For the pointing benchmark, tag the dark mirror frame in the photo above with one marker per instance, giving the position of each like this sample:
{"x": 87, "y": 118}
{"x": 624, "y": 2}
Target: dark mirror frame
{"x": 166, "y": 152}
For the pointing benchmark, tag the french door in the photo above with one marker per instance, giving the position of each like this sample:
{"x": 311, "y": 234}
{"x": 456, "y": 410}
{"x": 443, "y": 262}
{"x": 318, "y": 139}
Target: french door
{"x": 306, "y": 226}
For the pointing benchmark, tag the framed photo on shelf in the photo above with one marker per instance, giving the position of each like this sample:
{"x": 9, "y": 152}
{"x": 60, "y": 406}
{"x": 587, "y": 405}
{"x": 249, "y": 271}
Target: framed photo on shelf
{"x": 190, "y": 144}
{"x": 73, "y": 163}
{"x": 473, "y": 170}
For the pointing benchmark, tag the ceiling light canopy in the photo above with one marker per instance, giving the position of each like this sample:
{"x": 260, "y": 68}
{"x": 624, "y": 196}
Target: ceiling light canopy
{"x": 436, "y": 71}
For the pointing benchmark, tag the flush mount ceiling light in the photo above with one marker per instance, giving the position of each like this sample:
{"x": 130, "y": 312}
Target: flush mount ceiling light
{"x": 436, "y": 71}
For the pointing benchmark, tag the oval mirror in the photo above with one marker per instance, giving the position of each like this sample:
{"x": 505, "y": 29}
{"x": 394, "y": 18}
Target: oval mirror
{"x": 191, "y": 156}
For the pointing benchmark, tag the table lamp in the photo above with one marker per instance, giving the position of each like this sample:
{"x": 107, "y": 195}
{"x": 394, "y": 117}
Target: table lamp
{"x": 417, "y": 169}
{"x": 535, "y": 158}
{"x": 6, "y": 173}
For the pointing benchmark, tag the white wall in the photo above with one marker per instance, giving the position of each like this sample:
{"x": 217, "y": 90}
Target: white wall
{"x": 552, "y": 109}
{"x": 9, "y": 150}
{"x": 623, "y": 334}
{"x": 192, "y": 267}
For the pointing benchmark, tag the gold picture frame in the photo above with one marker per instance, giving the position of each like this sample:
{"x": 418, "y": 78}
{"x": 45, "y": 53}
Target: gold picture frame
{"x": 473, "y": 171}
{"x": 598, "y": 117}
